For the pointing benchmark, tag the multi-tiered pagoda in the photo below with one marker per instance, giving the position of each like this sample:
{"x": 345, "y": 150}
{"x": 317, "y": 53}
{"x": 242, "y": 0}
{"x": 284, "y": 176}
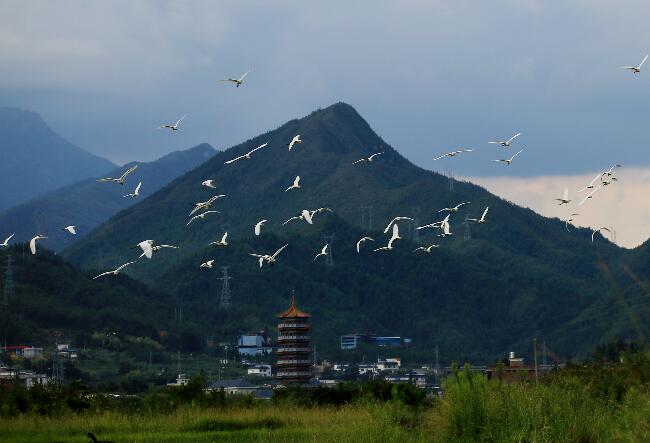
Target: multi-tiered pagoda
{"x": 294, "y": 346}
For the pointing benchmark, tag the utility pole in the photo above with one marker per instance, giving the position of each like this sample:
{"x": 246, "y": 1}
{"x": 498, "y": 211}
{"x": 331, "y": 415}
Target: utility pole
{"x": 366, "y": 218}
{"x": 468, "y": 230}
{"x": 535, "y": 357}
{"x": 544, "y": 353}
{"x": 437, "y": 368}
{"x": 450, "y": 174}
{"x": 9, "y": 291}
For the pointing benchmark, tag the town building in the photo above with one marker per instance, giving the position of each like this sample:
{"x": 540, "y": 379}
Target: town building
{"x": 514, "y": 369}
{"x": 260, "y": 370}
{"x": 294, "y": 363}
{"x": 254, "y": 344}
{"x": 8, "y": 376}
{"x": 238, "y": 386}
{"x": 350, "y": 342}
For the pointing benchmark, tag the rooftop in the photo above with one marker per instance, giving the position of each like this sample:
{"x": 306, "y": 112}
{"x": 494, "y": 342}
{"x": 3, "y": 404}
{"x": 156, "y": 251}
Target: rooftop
{"x": 293, "y": 311}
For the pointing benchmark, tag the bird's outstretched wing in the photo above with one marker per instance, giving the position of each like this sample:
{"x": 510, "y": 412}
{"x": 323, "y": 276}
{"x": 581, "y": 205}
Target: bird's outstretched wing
{"x": 180, "y": 120}
{"x": 279, "y": 250}
{"x": 102, "y": 274}
{"x": 128, "y": 171}
{"x": 514, "y": 137}
{"x": 124, "y": 266}
{"x": 233, "y": 160}
{"x": 642, "y": 62}
{"x": 442, "y": 156}
{"x": 242, "y": 77}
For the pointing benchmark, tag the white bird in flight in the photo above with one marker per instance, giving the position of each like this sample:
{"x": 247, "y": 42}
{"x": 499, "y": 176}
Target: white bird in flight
{"x": 270, "y": 259}
{"x": 32, "y": 243}
{"x": 120, "y": 179}
{"x": 293, "y": 141}
{"x": 509, "y": 160}
{"x": 173, "y": 127}
{"x": 452, "y": 153}
{"x": 323, "y": 251}
{"x": 445, "y": 228}
{"x": 71, "y": 229}
{"x": 201, "y": 216}
{"x": 207, "y": 264}
{"x": 455, "y": 208}
{"x": 395, "y": 236}
{"x": 223, "y": 241}
{"x": 6, "y": 242}
{"x": 246, "y": 156}
{"x": 369, "y": 159}
{"x": 363, "y": 240}
{"x": 136, "y": 191}
{"x": 208, "y": 184}
{"x": 206, "y": 204}
{"x": 115, "y": 271}
{"x": 295, "y": 185}
{"x": 393, "y": 221}
{"x": 506, "y": 143}
{"x": 258, "y": 227}
{"x": 602, "y": 228}
{"x": 590, "y": 195}
{"x": 426, "y": 249}
{"x": 570, "y": 219}
{"x": 435, "y": 225}
{"x": 635, "y": 69}
{"x": 480, "y": 220}
{"x": 237, "y": 81}
{"x": 158, "y": 248}
{"x": 146, "y": 246}
{"x": 565, "y": 197}
{"x": 305, "y": 215}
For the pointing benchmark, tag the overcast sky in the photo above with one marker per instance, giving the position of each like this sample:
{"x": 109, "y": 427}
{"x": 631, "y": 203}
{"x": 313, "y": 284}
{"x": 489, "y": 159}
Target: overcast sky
{"x": 429, "y": 76}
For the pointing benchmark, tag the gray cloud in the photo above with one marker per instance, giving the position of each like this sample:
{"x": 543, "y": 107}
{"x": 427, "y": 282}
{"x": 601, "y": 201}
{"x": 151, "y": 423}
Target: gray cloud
{"x": 429, "y": 76}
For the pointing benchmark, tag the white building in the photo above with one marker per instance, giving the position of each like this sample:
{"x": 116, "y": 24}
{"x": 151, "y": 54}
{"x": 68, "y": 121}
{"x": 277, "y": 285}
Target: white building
{"x": 260, "y": 370}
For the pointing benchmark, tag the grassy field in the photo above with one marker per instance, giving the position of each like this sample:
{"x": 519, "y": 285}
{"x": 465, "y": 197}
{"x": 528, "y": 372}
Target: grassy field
{"x": 473, "y": 409}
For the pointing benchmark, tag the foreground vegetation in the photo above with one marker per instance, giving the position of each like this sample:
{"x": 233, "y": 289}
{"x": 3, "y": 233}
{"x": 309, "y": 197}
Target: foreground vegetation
{"x": 606, "y": 401}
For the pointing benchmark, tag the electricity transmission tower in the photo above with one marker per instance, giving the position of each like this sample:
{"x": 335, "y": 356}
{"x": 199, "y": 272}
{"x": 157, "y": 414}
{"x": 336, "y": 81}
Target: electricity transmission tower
{"x": 9, "y": 290}
{"x": 329, "y": 258}
{"x": 226, "y": 297}
{"x": 366, "y": 218}
{"x": 57, "y": 367}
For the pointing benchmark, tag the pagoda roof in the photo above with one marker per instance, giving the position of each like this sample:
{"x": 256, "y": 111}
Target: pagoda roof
{"x": 293, "y": 311}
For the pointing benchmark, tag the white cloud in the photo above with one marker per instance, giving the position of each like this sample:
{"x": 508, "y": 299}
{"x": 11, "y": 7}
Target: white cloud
{"x": 622, "y": 205}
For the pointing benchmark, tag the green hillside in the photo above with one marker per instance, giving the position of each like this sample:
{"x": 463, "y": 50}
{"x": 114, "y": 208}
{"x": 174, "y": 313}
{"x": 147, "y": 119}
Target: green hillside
{"x": 521, "y": 275}
{"x": 87, "y": 204}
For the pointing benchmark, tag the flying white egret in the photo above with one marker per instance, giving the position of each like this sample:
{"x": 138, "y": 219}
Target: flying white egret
{"x": 591, "y": 184}
{"x": 394, "y": 237}
{"x": 146, "y": 246}
{"x": 323, "y": 251}
{"x": 207, "y": 264}
{"x": 237, "y": 81}
{"x": 635, "y": 69}
{"x": 590, "y": 195}
{"x": 293, "y": 141}
{"x": 174, "y": 127}
{"x": 569, "y": 219}
{"x": 506, "y": 143}
{"x": 369, "y": 159}
{"x": 509, "y": 160}
{"x": 363, "y": 240}
{"x": 602, "y": 228}
{"x": 201, "y": 216}
{"x": 246, "y": 156}
{"x": 222, "y": 242}
{"x": 305, "y": 215}
{"x": 426, "y": 249}
{"x": 393, "y": 221}
{"x": 32, "y": 243}
{"x": 206, "y": 204}
{"x": 445, "y": 228}
{"x": 452, "y": 153}
{"x": 480, "y": 220}
{"x": 208, "y": 184}
{"x": 258, "y": 227}
{"x": 121, "y": 179}
{"x": 270, "y": 259}
{"x": 6, "y": 242}
{"x": 435, "y": 224}
{"x": 135, "y": 193}
{"x": 295, "y": 185}
{"x": 565, "y": 197}
{"x": 455, "y": 208}
{"x": 71, "y": 229}
{"x": 115, "y": 271}
{"x": 157, "y": 248}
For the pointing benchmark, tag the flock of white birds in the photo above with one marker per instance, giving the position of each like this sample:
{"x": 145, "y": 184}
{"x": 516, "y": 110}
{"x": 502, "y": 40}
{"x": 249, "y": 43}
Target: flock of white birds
{"x": 149, "y": 248}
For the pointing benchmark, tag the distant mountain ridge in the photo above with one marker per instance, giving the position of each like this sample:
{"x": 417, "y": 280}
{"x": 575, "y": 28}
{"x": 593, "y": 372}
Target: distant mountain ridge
{"x": 36, "y": 160}
{"x": 87, "y": 204}
{"x": 521, "y": 274}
